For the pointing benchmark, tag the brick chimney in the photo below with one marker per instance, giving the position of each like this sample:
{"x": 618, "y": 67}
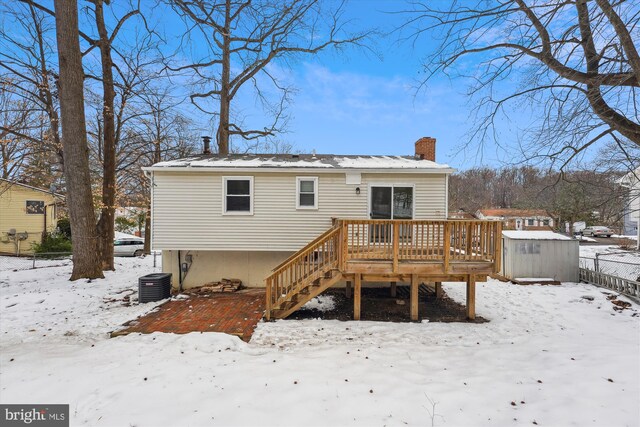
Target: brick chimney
{"x": 426, "y": 148}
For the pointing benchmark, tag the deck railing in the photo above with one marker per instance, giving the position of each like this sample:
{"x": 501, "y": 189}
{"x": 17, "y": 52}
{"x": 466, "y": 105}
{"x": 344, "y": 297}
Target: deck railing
{"x": 420, "y": 240}
{"x": 397, "y": 241}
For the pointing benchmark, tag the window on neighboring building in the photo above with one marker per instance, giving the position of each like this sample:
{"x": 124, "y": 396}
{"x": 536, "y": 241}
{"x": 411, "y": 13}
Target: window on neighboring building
{"x": 307, "y": 192}
{"x": 545, "y": 222}
{"x": 529, "y": 222}
{"x": 35, "y": 207}
{"x": 238, "y": 195}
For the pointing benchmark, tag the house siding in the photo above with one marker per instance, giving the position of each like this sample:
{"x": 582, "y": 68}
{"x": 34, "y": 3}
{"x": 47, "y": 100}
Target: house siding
{"x": 187, "y": 208}
{"x": 13, "y": 215}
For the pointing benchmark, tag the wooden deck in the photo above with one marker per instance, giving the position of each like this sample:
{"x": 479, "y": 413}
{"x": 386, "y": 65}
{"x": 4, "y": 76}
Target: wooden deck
{"x": 361, "y": 250}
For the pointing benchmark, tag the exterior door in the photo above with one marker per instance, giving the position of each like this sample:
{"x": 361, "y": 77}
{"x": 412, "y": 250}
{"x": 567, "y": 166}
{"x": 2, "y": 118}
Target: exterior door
{"x": 389, "y": 202}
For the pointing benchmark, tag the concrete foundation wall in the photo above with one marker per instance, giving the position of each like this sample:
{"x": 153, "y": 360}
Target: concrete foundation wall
{"x": 210, "y": 266}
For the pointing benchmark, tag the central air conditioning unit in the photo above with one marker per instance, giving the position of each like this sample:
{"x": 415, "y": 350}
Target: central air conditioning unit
{"x": 154, "y": 287}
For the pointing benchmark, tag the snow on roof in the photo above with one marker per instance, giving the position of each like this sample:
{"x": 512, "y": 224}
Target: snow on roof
{"x": 323, "y": 161}
{"x": 534, "y": 235}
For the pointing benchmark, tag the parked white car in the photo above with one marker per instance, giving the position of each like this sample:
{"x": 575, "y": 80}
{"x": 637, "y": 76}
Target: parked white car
{"x": 128, "y": 247}
{"x": 597, "y": 231}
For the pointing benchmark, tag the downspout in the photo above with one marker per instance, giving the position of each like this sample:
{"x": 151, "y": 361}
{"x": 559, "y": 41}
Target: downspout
{"x": 179, "y": 273}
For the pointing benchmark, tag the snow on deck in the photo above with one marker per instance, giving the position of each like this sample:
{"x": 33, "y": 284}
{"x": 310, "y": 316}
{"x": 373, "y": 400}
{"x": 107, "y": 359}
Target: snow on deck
{"x": 534, "y": 235}
{"x": 554, "y": 355}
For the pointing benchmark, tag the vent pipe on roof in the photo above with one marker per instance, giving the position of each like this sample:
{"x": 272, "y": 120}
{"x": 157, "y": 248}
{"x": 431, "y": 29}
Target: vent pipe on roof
{"x": 207, "y": 141}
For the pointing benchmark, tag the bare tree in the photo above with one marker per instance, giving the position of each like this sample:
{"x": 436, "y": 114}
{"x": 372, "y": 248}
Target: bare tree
{"x": 158, "y": 132}
{"x": 29, "y": 74}
{"x": 242, "y": 38}
{"x": 16, "y": 118}
{"x": 86, "y": 260}
{"x": 573, "y": 59}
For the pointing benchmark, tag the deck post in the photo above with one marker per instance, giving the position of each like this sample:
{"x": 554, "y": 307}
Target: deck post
{"x": 356, "y": 297}
{"x": 497, "y": 258}
{"x": 394, "y": 291}
{"x": 267, "y": 311}
{"x": 396, "y": 232}
{"x": 347, "y": 290}
{"x": 471, "y": 297}
{"x": 414, "y": 297}
{"x": 438, "y": 290}
{"x": 344, "y": 242}
{"x": 447, "y": 246}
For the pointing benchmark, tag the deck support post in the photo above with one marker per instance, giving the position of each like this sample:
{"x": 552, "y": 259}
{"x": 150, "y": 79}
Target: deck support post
{"x": 414, "y": 297}
{"x": 438, "y": 290}
{"x": 348, "y": 289}
{"x": 394, "y": 291}
{"x": 471, "y": 297}
{"x": 356, "y": 297}
{"x": 267, "y": 311}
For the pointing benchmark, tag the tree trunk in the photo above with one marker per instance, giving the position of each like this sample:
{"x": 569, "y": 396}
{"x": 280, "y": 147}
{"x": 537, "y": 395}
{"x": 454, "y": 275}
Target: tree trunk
{"x": 147, "y": 231}
{"x": 106, "y": 230}
{"x": 225, "y": 85}
{"x": 86, "y": 262}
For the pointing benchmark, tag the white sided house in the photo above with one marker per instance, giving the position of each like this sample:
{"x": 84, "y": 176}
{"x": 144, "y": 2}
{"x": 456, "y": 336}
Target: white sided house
{"x": 246, "y": 216}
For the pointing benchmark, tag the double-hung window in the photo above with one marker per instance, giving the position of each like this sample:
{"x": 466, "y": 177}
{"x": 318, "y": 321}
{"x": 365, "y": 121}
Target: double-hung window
{"x": 238, "y": 195}
{"x": 307, "y": 192}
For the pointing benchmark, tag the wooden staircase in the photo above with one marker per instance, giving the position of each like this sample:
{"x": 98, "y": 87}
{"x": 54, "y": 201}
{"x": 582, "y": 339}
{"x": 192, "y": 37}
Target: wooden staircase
{"x": 304, "y": 275}
{"x": 384, "y": 250}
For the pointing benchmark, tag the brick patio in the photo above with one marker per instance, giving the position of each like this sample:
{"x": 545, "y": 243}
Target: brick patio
{"x": 232, "y": 313}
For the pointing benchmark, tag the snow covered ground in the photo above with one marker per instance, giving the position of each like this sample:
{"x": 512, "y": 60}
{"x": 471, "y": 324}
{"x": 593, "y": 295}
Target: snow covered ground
{"x": 550, "y": 355}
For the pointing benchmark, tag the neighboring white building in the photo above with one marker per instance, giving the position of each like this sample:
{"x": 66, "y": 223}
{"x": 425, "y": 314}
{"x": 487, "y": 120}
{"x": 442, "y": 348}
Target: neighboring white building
{"x": 632, "y": 205}
{"x": 518, "y": 219}
{"x": 240, "y": 216}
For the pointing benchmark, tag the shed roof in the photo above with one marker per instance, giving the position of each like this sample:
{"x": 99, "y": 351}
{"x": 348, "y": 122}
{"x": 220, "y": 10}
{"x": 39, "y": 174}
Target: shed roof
{"x": 504, "y": 212}
{"x": 305, "y": 161}
{"x": 534, "y": 235}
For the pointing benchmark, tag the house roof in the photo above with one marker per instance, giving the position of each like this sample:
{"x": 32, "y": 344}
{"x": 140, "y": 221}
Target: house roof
{"x": 327, "y": 162}
{"x": 534, "y": 235}
{"x": 514, "y": 212}
{"x": 630, "y": 179}
{"x": 10, "y": 182}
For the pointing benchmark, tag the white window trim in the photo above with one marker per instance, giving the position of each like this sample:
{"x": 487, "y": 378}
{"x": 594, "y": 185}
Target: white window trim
{"x": 315, "y": 192}
{"x": 224, "y": 195}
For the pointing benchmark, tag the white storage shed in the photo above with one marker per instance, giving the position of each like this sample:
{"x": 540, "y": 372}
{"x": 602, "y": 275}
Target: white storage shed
{"x": 542, "y": 255}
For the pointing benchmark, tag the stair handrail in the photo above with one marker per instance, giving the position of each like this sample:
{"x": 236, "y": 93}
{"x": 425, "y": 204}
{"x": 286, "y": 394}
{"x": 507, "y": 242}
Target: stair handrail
{"x": 311, "y": 243}
{"x": 300, "y": 269}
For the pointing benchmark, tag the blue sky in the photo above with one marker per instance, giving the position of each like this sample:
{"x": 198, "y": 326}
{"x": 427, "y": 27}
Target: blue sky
{"x": 359, "y": 102}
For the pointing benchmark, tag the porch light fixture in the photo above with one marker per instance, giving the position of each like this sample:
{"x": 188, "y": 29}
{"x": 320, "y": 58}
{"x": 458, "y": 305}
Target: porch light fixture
{"x": 357, "y": 190}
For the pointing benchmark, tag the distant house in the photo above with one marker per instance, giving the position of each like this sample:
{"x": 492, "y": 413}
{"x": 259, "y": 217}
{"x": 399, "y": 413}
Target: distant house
{"x": 632, "y": 204}
{"x": 26, "y": 213}
{"x": 519, "y": 219}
